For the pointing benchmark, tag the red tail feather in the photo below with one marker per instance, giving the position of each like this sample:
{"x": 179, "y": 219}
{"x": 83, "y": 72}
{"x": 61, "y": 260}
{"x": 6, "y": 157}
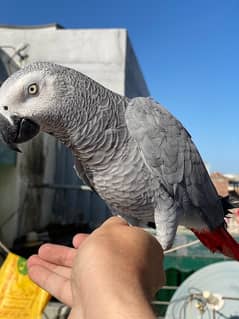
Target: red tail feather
{"x": 219, "y": 240}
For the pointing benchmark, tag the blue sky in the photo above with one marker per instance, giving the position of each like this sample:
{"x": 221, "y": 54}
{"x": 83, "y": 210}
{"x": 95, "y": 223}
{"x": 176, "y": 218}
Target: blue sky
{"x": 188, "y": 51}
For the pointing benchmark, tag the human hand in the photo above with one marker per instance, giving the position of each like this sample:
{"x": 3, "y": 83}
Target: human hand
{"x": 116, "y": 265}
{"x": 51, "y": 268}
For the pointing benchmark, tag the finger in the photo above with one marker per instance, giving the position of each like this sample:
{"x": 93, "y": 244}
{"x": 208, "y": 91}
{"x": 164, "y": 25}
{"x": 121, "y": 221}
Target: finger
{"x": 56, "y": 254}
{"x": 78, "y": 239}
{"x": 35, "y": 260}
{"x": 115, "y": 220}
{"x": 56, "y": 285}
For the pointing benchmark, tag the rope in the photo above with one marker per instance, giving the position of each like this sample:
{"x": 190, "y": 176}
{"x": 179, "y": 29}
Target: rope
{"x": 4, "y": 248}
{"x": 152, "y": 232}
{"x": 195, "y": 242}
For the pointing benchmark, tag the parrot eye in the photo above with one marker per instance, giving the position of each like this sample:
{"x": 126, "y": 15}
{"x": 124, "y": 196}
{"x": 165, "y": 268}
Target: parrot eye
{"x": 32, "y": 89}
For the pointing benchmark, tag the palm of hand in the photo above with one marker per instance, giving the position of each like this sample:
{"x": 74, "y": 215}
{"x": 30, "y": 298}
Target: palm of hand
{"x": 52, "y": 268}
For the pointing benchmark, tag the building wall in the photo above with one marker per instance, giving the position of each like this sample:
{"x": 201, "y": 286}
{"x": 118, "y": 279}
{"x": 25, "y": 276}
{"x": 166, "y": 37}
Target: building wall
{"x": 134, "y": 80}
{"x": 221, "y": 183}
{"x": 99, "y": 54}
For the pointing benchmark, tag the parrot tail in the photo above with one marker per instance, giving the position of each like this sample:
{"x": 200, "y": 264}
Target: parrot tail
{"x": 219, "y": 240}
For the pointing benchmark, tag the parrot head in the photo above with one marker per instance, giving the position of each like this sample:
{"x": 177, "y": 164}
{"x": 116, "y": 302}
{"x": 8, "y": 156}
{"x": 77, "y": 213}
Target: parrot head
{"x": 28, "y": 98}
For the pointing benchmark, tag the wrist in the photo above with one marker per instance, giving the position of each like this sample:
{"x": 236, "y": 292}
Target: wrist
{"x": 115, "y": 300}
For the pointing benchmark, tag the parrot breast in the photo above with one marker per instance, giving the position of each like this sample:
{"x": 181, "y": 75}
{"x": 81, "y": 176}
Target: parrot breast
{"x": 124, "y": 181}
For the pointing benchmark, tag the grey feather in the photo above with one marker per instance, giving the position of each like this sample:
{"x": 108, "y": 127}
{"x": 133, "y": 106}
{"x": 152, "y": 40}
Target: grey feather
{"x": 174, "y": 160}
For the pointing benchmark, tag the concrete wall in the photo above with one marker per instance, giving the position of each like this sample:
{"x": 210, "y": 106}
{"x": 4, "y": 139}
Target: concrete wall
{"x": 134, "y": 80}
{"x": 98, "y": 53}
{"x": 106, "y": 56}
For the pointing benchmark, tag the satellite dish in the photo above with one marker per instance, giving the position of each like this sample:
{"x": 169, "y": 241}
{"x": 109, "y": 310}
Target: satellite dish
{"x": 210, "y": 293}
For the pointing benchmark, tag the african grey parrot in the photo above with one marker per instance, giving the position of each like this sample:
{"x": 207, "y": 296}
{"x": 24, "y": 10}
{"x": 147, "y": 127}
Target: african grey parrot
{"x": 135, "y": 154}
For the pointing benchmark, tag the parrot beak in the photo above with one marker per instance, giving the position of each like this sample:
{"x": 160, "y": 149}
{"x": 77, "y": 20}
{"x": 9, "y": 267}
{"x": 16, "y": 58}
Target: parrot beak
{"x": 17, "y": 130}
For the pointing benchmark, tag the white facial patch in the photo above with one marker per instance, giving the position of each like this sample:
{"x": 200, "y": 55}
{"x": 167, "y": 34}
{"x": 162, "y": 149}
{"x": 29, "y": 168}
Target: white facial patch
{"x": 7, "y": 115}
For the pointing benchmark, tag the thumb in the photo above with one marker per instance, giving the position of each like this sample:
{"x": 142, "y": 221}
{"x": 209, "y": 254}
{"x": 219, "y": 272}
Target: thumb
{"x": 78, "y": 240}
{"x": 115, "y": 220}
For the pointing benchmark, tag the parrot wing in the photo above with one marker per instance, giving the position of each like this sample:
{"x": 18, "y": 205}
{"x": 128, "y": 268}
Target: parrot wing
{"x": 173, "y": 159}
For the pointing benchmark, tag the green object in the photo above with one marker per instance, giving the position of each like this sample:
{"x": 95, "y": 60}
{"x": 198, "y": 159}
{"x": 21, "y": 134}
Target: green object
{"x": 22, "y": 266}
{"x": 181, "y": 264}
{"x": 190, "y": 258}
{"x": 174, "y": 278}
{"x": 7, "y": 157}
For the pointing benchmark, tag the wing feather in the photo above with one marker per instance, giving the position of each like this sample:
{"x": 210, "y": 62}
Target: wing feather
{"x": 171, "y": 156}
